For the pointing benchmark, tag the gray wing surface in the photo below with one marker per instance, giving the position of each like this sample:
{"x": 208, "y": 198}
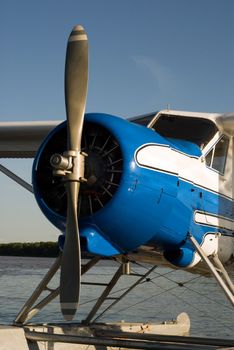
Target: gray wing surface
{"x": 22, "y": 139}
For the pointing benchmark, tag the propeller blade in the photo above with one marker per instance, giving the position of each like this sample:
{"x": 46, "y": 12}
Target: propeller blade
{"x": 70, "y": 264}
{"x": 76, "y": 81}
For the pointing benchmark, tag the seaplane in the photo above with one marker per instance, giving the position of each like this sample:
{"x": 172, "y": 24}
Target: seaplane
{"x": 155, "y": 188}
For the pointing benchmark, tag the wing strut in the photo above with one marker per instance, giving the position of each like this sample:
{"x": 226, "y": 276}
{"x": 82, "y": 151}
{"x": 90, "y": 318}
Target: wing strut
{"x": 16, "y": 178}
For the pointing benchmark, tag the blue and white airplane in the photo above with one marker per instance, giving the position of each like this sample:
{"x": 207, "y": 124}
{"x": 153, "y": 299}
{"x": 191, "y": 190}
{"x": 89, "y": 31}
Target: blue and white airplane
{"x": 156, "y": 188}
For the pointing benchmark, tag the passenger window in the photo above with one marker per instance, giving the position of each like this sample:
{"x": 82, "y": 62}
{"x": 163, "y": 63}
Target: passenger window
{"x": 216, "y": 158}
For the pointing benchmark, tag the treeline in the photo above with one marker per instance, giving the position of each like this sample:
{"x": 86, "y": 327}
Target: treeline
{"x": 38, "y": 249}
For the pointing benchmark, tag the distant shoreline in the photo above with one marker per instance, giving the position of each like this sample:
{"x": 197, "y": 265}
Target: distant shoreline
{"x": 33, "y": 249}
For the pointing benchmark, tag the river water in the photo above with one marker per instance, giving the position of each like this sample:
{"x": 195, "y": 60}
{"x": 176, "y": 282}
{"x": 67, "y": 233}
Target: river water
{"x": 163, "y": 296}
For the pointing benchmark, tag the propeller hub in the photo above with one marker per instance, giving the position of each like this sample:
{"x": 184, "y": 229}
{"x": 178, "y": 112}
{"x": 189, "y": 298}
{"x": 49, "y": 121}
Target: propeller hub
{"x": 70, "y": 165}
{"x": 60, "y": 162}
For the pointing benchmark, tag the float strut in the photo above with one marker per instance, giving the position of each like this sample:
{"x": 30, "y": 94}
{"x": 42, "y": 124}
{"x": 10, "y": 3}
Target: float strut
{"x": 23, "y": 314}
{"x": 214, "y": 271}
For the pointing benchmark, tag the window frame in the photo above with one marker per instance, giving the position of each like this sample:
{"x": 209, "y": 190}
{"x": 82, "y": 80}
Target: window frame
{"x": 218, "y": 137}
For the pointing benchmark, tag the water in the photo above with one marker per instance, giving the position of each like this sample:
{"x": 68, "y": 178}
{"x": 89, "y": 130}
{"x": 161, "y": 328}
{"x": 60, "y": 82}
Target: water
{"x": 163, "y": 297}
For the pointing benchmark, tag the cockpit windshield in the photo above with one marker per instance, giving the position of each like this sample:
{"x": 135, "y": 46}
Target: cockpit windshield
{"x": 194, "y": 129}
{"x": 143, "y": 119}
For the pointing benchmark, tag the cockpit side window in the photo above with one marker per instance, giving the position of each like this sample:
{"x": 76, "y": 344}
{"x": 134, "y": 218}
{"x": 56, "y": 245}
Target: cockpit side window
{"x": 209, "y": 157}
{"x": 216, "y": 158}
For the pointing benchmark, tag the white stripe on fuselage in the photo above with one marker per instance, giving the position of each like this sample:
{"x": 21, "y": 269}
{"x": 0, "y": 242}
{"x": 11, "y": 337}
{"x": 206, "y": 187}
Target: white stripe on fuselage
{"x": 165, "y": 159}
{"x": 209, "y": 219}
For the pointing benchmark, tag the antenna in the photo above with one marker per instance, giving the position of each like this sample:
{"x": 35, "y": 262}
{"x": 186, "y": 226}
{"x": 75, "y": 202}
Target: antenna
{"x": 168, "y": 106}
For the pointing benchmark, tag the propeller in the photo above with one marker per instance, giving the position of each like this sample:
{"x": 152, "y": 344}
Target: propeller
{"x": 70, "y": 165}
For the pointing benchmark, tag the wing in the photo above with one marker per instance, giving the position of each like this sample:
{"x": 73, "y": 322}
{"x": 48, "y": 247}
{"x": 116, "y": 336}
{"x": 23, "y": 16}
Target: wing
{"x": 22, "y": 139}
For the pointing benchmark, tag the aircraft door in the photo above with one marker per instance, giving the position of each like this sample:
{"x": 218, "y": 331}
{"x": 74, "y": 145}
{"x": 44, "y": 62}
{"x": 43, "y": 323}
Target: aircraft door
{"x": 216, "y": 182}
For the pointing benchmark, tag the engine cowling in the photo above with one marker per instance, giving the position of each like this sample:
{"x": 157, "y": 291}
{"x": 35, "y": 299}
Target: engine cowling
{"x": 103, "y": 171}
{"x": 122, "y": 205}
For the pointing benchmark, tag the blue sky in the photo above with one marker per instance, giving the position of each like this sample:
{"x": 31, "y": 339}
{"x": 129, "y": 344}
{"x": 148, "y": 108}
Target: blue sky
{"x": 143, "y": 55}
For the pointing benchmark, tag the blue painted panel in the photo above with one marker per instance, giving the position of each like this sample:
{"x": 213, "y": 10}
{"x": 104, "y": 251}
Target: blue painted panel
{"x": 184, "y": 146}
{"x": 96, "y": 243}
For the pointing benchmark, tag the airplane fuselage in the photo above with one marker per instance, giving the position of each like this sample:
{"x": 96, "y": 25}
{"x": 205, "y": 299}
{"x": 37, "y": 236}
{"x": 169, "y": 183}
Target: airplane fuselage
{"x": 142, "y": 189}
